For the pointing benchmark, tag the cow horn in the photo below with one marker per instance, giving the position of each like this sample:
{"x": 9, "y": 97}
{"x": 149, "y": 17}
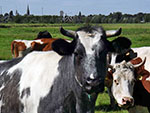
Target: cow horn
{"x": 142, "y": 63}
{"x": 111, "y": 33}
{"x": 68, "y": 33}
{"x": 110, "y": 66}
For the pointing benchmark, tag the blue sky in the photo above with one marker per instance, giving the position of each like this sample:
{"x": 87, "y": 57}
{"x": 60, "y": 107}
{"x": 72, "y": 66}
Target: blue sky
{"x": 72, "y": 7}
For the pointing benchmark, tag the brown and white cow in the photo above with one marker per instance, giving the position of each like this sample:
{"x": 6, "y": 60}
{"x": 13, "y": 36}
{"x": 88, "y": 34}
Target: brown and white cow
{"x": 130, "y": 84}
{"x": 21, "y": 48}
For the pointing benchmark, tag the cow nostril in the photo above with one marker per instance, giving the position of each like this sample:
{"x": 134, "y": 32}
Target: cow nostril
{"x": 123, "y": 100}
{"x": 88, "y": 79}
{"x": 127, "y": 101}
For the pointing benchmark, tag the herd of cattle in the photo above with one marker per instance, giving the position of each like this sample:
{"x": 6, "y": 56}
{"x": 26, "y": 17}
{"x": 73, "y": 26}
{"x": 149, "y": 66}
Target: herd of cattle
{"x": 51, "y": 75}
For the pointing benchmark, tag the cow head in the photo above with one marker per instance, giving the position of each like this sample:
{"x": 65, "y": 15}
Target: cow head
{"x": 43, "y": 34}
{"x": 120, "y": 50}
{"x": 88, "y": 50}
{"x": 123, "y": 76}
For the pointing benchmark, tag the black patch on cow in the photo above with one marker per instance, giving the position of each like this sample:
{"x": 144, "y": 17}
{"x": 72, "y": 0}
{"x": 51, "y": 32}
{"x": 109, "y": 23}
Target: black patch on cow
{"x": 69, "y": 104}
{"x": 63, "y": 47}
{"x": 43, "y": 34}
{"x": 129, "y": 55}
{"x": 25, "y": 92}
{"x": 120, "y": 45}
{"x": 141, "y": 95}
{"x": 38, "y": 47}
{"x": 8, "y": 64}
{"x": 10, "y": 94}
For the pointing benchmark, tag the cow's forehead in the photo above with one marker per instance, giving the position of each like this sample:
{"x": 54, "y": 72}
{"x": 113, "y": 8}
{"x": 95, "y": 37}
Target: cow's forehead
{"x": 124, "y": 71}
{"x": 88, "y": 40}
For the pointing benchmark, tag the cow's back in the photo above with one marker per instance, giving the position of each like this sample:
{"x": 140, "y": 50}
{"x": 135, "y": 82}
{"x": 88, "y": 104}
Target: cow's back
{"x": 143, "y": 52}
{"x": 32, "y": 77}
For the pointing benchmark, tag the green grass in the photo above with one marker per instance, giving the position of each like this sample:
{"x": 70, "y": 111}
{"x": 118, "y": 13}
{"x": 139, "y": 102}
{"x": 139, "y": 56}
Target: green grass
{"x": 139, "y": 34}
{"x": 103, "y": 105}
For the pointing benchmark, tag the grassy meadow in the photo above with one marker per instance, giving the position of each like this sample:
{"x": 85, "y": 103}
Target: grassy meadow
{"x": 139, "y": 34}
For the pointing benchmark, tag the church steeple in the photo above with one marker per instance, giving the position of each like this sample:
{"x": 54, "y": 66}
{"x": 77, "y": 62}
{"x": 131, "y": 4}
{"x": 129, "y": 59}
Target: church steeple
{"x": 28, "y": 10}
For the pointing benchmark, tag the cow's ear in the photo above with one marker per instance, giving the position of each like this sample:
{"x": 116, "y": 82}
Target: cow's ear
{"x": 131, "y": 55}
{"x": 109, "y": 79}
{"x": 120, "y": 45}
{"x": 62, "y": 47}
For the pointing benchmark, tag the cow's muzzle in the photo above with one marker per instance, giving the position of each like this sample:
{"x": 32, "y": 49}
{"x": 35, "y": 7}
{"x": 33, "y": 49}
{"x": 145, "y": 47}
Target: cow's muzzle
{"x": 127, "y": 102}
{"x": 94, "y": 84}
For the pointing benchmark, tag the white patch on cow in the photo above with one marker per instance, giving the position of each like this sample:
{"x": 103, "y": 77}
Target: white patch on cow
{"x": 69, "y": 41}
{"x": 143, "y": 52}
{"x": 111, "y": 32}
{"x": 89, "y": 40}
{"x": 1, "y": 104}
{"x": 20, "y": 54}
{"x": 92, "y": 76}
{"x": 113, "y": 58}
{"x": 2, "y": 61}
{"x": 2, "y": 72}
{"x": 123, "y": 78}
{"x": 39, "y": 69}
{"x": 148, "y": 78}
{"x": 2, "y": 87}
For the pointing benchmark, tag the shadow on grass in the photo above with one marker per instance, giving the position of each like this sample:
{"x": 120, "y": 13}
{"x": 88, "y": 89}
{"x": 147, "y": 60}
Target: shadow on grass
{"x": 107, "y": 108}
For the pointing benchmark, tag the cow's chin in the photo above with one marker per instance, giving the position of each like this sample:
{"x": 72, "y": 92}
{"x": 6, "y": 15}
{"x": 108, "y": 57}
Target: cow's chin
{"x": 94, "y": 89}
{"x": 94, "y": 86}
{"x": 125, "y": 106}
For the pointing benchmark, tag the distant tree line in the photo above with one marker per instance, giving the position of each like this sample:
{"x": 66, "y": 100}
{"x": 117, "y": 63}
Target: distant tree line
{"x": 116, "y": 17}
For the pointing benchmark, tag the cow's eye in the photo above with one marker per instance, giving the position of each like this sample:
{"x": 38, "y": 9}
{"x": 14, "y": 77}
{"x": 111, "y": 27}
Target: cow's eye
{"x": 78, "y": 55}
{"x": 116, "y": 82}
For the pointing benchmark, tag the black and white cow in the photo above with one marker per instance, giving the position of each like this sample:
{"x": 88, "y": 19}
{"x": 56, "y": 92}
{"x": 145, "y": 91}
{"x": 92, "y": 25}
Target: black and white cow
{"x": 66, "y": 80}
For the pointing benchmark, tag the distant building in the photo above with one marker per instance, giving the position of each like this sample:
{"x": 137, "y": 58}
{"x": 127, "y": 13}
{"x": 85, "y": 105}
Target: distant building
{"x": 17, "y": 13}
{"x": 68, "y": 19}
{"x": 61, "y": 13}
{"x": 28, "y": 10}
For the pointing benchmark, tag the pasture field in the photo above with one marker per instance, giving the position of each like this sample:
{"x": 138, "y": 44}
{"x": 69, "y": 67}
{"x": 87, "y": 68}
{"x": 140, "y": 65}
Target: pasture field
{"x": 139, "y": 34}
